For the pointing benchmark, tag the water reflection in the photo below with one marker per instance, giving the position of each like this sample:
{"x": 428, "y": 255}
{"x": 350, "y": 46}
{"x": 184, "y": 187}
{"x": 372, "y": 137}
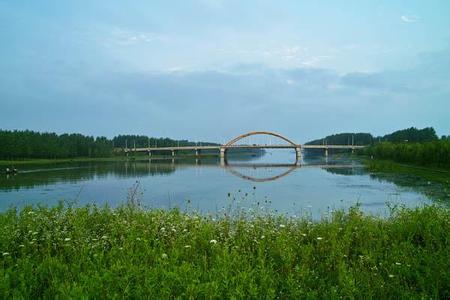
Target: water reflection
{"x": 315, "y": 181}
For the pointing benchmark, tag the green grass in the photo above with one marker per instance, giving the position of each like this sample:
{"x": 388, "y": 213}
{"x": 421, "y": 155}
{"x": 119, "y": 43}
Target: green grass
{"x": 128, "y": 252}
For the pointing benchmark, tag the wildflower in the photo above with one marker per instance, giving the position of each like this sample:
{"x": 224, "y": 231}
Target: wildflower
{"x": 262, "y": 237}
{"x": 303, "y": 234}
{"x": 66, "y": 239}
{"x": 187, "y": 246}
{"x": 5, "y": 253}
{"x": 164, "y": 256}
{"x": 398, "y": 264}
{"x": 319, "y": 238}
{"x": 213, "y": 241}
{"x": 282, "y": 225}
{"x": 391, "y": 276}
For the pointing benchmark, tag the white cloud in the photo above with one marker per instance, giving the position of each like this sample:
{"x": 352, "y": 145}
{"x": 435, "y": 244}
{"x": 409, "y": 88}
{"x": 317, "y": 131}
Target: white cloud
{"x": 409, "y": 18}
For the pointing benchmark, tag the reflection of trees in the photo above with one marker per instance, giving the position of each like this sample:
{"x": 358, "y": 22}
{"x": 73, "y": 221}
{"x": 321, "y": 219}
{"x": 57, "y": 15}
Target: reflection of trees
{"x": 82, "y": 171}
{"x": 76, "y": 172}
{"x": 433, "y": 190}
{"x": 349, "y": 170}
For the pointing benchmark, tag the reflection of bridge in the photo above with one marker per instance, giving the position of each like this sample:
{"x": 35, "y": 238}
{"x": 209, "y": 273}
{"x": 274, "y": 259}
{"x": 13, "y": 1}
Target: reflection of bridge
{"x": 223, "y": 149}
{"x": 291, "y": 167}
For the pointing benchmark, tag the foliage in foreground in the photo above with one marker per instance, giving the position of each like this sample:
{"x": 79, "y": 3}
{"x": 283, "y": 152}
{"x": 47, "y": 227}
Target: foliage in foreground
{"x": 131, "y": 252}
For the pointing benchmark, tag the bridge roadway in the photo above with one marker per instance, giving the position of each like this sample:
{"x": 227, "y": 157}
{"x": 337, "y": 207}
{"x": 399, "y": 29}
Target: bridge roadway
{"x": 218, "y": 147}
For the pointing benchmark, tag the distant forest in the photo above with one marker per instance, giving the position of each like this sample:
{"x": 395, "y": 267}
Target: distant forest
{"x": 31, "y": 144}
{"x": 412, "y": 145}
{"x": 410, "y": 135}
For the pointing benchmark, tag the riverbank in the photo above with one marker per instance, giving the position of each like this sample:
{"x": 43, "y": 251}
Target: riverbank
{"x": 129, "y": 252}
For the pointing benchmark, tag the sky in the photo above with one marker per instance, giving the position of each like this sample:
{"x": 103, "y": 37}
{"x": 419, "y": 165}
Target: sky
{"x": 212, "y": 69}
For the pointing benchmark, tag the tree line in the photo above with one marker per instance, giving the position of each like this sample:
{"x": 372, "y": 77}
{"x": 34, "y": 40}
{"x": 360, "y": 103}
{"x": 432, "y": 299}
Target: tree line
{"x": 412, "y": 135}
{"x": 18, "y": 144}
{"x": 411, "y": 145}
{"x": 435, "y": 153}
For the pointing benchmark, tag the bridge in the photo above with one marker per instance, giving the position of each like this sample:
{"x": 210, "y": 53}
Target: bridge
{"x": 232, "y": 144}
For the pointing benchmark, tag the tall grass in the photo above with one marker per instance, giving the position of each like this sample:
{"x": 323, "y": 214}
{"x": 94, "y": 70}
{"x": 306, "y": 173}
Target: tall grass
{"x": 127, "y": 252}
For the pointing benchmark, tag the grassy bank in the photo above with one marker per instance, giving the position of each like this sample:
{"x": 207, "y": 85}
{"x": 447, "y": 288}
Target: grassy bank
{"x": 135, "y": 253}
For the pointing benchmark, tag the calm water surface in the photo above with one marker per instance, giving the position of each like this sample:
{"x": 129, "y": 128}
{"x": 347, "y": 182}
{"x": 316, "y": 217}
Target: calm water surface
{"x": 269, "y": 182}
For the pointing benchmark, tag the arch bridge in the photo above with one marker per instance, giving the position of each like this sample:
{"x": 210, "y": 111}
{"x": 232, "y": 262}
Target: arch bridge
{"x": 232, "y": 144}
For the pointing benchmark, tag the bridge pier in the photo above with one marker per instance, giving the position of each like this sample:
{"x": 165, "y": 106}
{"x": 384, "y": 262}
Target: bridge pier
{"x": 149, "y": 153}
{"x": 197, "y": 152}
{"x": 173, "y": 153}
{"x": 298, "y": 153}
{"x": 326, "y": 152}
{"x": 223, "y": 159}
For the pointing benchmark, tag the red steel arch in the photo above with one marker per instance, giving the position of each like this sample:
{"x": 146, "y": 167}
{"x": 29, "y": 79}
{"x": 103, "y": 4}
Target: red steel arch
{"x": 233, "y": 141}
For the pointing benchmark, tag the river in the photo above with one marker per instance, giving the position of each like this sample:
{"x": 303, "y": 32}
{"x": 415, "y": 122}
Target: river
{"x": 270, "y": 182}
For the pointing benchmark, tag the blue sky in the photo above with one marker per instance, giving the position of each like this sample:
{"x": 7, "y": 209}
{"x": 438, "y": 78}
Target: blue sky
{"x": 212, "y": 69}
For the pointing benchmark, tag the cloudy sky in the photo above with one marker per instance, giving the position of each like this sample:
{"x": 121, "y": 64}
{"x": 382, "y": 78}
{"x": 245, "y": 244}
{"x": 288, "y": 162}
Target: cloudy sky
{"x": 212, "y": 69}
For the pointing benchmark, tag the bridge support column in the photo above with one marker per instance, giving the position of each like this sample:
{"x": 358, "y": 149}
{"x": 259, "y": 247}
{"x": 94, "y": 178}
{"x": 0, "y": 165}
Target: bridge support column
{"x": 298, "y": 155}
{"x": 173, "y": 153}
{"x": 149, "y": 153}
{"x": 223, "y": 158}
{"x": 326, "y": 152}
{"x": 197, "y": 152}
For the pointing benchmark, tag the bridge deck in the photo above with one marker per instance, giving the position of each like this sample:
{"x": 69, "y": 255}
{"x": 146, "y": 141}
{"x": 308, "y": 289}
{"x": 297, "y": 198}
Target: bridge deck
{"x": 218, "y": 147}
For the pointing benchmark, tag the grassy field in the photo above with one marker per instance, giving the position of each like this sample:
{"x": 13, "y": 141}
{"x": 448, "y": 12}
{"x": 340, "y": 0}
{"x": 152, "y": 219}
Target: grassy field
{"x": 129, "y": 252}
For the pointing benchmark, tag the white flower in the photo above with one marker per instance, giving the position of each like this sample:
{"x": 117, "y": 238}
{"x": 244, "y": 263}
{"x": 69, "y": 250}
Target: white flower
{"x": 164, "y": 256}
{"x": 187, "y": 246}
{"x": 262, "y": 237}
{"x": 66, "y": 239}
{"x": 282, "y": 225}
{"x": 391, "y": 276}
{"x": 213, "y": 241}
{"x": 303, "y": 234}
{"x": 398, "y": 264}
{"x": 319, "y": 238}
{"x": 5, "y": 253}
